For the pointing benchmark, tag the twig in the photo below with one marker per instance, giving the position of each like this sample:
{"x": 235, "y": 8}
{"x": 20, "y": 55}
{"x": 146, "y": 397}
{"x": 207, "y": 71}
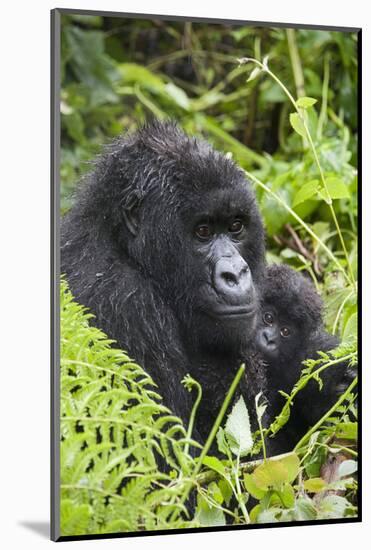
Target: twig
{"x": 307, "y": 436}
{"x": 212, "y": 434}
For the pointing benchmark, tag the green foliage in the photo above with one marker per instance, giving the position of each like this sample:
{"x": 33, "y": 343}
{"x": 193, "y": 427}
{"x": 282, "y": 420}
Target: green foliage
{"x": 290, "y": 121}
{"x": 113, "y": 426}
{"x": 237, "y": 429}
{"x": 284, "y": 488}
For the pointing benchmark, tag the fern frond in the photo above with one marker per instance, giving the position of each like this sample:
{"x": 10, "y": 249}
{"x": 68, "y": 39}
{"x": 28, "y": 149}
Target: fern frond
{"x": 114, "y": 431}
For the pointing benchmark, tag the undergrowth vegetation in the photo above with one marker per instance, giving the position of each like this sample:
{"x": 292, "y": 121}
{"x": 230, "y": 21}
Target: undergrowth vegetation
{"x": 114, "y": 432}
{"x": 283, "y": 104}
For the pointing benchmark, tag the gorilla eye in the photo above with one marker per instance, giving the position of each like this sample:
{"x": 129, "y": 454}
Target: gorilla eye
{"x": 236, "y": 227}
{"x": 285, "y": 332}
{"x": 203, "y": 231}
{"x": 268, "y": 318}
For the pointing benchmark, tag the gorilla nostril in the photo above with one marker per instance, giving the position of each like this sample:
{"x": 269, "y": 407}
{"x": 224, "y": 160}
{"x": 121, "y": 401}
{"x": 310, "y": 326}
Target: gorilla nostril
{"x": 229, "y": 278}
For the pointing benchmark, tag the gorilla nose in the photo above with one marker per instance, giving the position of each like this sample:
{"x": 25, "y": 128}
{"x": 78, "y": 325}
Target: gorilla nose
{"x": 268, "y": 339}
{"x": 232, "y": 278}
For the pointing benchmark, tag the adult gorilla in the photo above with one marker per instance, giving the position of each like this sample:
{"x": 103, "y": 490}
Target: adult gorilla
{"x": 165, "y": 245}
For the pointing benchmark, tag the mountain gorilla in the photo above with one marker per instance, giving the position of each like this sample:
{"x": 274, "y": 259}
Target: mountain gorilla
{"x": 290, "y": 330}
{"x": 165, "y": 245}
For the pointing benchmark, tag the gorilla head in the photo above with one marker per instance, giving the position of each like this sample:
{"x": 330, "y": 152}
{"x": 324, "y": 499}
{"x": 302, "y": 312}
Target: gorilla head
{"x": 291, "y": 312}
{"x": 185, "y": 217}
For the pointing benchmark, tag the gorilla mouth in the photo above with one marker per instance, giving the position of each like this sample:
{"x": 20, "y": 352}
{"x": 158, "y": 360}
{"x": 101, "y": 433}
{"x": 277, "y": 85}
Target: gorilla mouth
{"x": 235, "y": 311}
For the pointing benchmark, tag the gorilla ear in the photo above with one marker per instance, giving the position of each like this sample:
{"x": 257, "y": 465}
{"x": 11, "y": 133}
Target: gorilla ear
{"x": 131, "y": 215}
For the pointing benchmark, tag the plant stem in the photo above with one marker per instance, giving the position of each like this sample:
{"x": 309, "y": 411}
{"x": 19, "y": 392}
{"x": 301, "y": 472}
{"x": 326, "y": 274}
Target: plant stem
{"x": 213, "y": 432}
{"x": 262, "y": 436}
{"x": 264, "y": 67}
{"x": 329, "y": 201}
{"x": 302, "y": 382}
{"x": 219, "y": 419}
{"x": 340, "y": 311}
{"x": 323, "y": 113}
{"x": 239, "y": 492}
{"x": 193, "y": 413}
{"x": 307, "y": 436}
{"x": 295, "y": 62}
{"x": 246, "y": 467}
{"x": 302, "y": 223}
{"x": 296, "y": 68}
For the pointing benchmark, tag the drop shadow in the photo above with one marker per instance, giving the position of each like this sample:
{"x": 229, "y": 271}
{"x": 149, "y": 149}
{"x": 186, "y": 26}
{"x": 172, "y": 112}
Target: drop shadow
{"x": 42, "y": 528}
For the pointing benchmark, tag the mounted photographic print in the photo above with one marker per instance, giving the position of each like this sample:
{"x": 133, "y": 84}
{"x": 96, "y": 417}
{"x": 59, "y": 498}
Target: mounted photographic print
{"x": 204, "y": 274}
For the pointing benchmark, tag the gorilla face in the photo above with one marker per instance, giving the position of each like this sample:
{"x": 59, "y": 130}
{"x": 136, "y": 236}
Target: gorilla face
{"x": 277, "y": 336}
{"x": 223, "y": 282}
{"x": 290, "y": 313}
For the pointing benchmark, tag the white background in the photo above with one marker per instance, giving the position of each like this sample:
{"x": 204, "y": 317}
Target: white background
{"x": 24, "y": 271}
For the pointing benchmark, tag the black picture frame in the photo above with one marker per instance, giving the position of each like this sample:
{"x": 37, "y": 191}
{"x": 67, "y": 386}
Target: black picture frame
{"x": 55, "y": 266}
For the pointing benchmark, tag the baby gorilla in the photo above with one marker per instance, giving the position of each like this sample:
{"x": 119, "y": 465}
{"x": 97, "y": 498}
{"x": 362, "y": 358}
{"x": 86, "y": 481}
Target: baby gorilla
{"x": 290, "y": 330}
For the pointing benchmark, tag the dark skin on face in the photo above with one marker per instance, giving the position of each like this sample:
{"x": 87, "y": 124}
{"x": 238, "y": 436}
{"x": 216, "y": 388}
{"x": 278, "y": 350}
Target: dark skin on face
{"x": 276, "y": 334}
{"x": 220, "y": 240}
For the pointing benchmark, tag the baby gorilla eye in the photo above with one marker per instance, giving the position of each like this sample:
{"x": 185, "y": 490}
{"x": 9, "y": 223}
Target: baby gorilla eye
{"x": 285, "y": 332}
{"x": 203, "y": 231}
{"x": 268, "y": 318}
{"x": 236, "y": 227}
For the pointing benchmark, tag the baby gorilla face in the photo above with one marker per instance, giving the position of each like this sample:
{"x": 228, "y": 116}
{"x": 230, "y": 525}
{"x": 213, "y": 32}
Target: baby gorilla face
{"x": 276, "y": 334}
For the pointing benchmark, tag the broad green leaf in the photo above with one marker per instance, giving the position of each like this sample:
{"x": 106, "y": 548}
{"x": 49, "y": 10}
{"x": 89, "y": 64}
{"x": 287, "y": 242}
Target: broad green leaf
{"x": 287, "y": 495}
{"x": 336, "y": 188}
{"x": 132, "y": 73}
{"x": 347, "y": 468}
{"x": 342, "y": 484}
{"x": 347, "y": 430}
{"x": 270, "y": 474}
{"x": 332, "y": 506}
{"x": 305, "y": 509}
{"x": 351, "y": 327}
{"x": 238, "y": 429}
{"x": 275, "y": 472}
{"x": 215, "y": 492}
{"x": 226, "y": 490}
{"x": 178, "y": 95}
{"x": 275, "y": 216}
{"x": 305, "y": 102}
{"x": 254, "y": 513}
{"x": 214, "y": 464}
{"x": 209, "y": 516}
{"x": 292, "y": 463}
{"x": 298, "y": 125}
{"x": 314, "y": 485}
{"x": 307, "y": 191}
{"x": 252, "y": 488}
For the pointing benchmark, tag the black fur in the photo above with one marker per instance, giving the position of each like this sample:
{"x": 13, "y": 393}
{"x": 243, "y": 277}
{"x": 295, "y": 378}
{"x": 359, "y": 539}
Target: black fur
{"x": 294, "y": 303}
{"x": 129, "y": 252}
